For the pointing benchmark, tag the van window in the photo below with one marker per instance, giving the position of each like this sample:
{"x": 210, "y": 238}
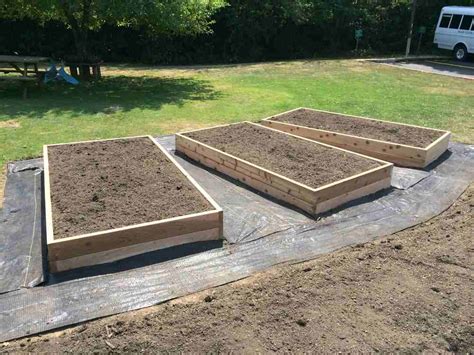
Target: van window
{"x": 445, "y": 20}
{"x": 466, "y": 22}
{"x": 455, "y": 21}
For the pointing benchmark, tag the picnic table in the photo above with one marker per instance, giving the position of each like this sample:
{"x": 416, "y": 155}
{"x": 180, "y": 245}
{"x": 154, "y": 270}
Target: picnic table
{"x": 27, "y": 67}
{"x": 85, "y": 70}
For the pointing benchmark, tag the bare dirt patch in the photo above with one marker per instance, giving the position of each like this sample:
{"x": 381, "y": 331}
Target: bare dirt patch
{"x": 385, "y": 131}
{"x": 410, "y": 292}
{"x": 312, "y": 164}
{"x": 110, "y": 184}
{"x": 9, "y": 124}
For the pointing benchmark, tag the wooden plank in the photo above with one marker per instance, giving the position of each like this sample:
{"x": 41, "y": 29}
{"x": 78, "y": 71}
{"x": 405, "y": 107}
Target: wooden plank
{"x": 276, "y": 181}
{"x": 22, "y": 59}
{"x": 18, "y": 78}
{"x": 30, "y": 71}
{"x": 186, "y": 174}
{"x": 352, "y": 142}
{"x": 352, "y": 183}
{"x": 279, "y": 186}
{"x": 97, "y": 140}
{"x": 247, "y": 180}
{"x": 298, "y": 190}
{"x": 65, "y": 248}
{"x": 354, "y": 116}
{"x": 331, "y": 146}
{"x": 294, "y": 188}
{"x": 367, "y": 146}
{"x": 217, "y": 154}
{"x": 133, "y": 250}
{"x": 437, "y": 148}
{"x": 352, "y": 195}
{"x": 400, "y": 154}
{"x": 119, "y": 242}
{"x": 330, "y": 190}
{"x": 47, "y": 197}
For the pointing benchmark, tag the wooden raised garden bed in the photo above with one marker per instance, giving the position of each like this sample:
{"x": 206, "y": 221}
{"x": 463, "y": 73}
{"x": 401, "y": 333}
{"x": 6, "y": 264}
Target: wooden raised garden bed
{"x": 312, "y": 176}
{"x": 402, "y": 144}
{"x": 110, "y": 199}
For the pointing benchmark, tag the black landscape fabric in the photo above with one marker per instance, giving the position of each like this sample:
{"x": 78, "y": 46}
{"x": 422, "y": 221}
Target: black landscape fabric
{"x": 259, "y": 233}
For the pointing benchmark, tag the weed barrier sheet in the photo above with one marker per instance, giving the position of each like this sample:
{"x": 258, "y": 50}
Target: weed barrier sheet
{"x": 259, "y": 233}
{"x": 21, "y": 227}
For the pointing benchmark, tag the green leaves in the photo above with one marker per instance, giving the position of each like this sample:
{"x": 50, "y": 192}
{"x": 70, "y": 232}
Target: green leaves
{"x": 163, "y": 16}
{"x": 82, "y": 16}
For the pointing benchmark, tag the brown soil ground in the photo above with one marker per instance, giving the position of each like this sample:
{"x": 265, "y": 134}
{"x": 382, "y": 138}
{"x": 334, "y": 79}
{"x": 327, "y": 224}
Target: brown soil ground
{"x": 410, "y": 292}
{"x": 110, "y": 184}
{"x": 385, "y": 131}
{"x": 309, "y": 163}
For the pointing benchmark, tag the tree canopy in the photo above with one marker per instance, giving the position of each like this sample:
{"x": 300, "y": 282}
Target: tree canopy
{"x": 179, "y": 31}
{"x": 82, "y": 16}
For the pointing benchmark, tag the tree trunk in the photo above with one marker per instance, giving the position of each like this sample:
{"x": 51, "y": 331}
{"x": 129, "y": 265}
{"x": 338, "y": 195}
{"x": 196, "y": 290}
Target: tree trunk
{"x": 82, "y": 43}
{"x": 79, "y": 27}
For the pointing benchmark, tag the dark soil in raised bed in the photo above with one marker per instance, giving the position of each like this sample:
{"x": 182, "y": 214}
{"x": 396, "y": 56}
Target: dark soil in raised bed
{"x": 111, "y": 184}
{"x": 385, "y": 131}
{"x": 307, "y": 162}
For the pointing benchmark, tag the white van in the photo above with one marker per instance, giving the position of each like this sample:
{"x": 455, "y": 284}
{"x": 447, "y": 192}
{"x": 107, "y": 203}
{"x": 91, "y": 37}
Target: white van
{"x": 455, "y": 30}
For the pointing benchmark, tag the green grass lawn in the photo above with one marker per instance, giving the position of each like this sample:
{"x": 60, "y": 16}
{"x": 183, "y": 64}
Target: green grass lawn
{"x": 133, "y": 100}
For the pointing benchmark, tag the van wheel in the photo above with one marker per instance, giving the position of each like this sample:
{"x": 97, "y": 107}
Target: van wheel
{"x": 460, "y": 52}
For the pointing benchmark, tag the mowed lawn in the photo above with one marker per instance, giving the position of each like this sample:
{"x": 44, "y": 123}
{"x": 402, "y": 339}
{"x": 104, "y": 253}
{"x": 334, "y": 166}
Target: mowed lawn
{"x": 135, "y": 100}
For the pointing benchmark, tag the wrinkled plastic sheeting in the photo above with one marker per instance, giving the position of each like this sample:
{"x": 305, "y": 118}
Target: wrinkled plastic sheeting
{"x": 404, "y": 178}
{"x": 21, "y": 255}
{"x": 262, "y": 234}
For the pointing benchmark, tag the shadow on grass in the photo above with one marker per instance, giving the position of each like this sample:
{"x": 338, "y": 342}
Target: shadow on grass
{"x": 109, "y": 95}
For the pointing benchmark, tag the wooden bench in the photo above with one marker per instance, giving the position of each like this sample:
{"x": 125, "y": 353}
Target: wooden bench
{"x": 10, "y": 70}
{"x": 18, "y": 78}
{"x": 26, "y": 68}
{"x": 23, "y": 79}
{"x": 85, "y": 71}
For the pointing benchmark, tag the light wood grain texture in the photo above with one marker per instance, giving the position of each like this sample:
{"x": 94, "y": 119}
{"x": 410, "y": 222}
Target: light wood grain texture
{"x": 311, "y": 200}
{"x": 114, "y": 244}
{"x": 352, "y": 195}
{"x": 246, "y": 168}
{"x": 133, "y": 250}
{"x": 248, "y": 180}
{"x": 400, "y": 154}
{"x": 437, "y": 148}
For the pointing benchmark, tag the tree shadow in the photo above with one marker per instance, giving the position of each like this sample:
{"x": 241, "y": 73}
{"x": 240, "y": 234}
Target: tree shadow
{"x": 109, "y": 95}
